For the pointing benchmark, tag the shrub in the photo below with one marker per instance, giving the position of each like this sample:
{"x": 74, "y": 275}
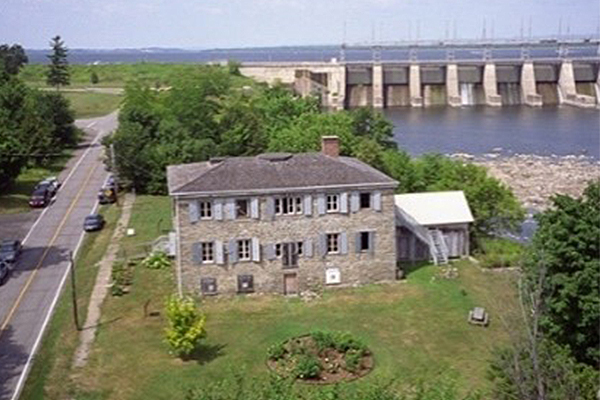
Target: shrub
{"x": 158, "y": 260}
{"x": 186, "y": 325}
{"x": 500, "y": 253}
{"x": 344, "y": 342}
{"x": 353, "y": 360}
{"x": 323, "y": 339}
{"x": 307, "y": 366}
{"x": 276, "y": 351}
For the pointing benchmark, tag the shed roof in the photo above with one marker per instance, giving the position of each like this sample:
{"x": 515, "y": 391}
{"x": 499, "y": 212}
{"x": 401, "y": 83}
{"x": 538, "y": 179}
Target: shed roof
{"x": 436, "y": 208}
{"x": 273, "y": 172}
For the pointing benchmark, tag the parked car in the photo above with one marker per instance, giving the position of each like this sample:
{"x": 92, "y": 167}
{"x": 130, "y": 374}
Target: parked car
{"x": 93, "y": 222}
{"x": 107, "y": 195}
{"x": 10, "y": 250}
{"x": 44, "y": 192}
{"x": 4, "y": 272}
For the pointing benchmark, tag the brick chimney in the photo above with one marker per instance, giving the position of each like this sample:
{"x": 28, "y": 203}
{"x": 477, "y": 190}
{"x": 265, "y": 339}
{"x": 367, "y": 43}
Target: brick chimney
{"x": 330, "y": 146}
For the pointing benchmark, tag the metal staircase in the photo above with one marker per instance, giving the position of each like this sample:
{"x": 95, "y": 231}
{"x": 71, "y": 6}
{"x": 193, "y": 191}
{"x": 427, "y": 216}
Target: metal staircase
{"x": 437, "y": 247}
{"x": 433, "y": 238}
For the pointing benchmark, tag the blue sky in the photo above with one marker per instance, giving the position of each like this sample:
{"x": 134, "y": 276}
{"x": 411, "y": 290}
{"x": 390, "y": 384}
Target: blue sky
{"x": 244, "y": 23}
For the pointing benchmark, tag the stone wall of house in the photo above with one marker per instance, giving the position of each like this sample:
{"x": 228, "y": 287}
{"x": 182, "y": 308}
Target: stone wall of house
{"x": 355, "y": 268}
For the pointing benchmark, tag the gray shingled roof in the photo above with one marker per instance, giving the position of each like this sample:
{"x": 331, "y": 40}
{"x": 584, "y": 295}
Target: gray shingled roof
{"x": 257, "y": 173}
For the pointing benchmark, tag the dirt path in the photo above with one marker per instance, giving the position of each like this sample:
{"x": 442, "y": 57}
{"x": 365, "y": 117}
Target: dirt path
{"x": 88, "y": 332}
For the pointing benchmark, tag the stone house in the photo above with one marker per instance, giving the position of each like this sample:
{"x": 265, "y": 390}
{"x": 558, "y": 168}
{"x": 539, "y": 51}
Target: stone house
{"x": 282, "y": 223}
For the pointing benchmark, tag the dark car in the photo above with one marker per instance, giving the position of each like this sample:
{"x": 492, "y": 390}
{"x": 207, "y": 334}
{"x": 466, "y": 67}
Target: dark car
{"x": 10, "y": 250}
{"x": 40, "y": 197}
{"x": 107, "y": 195}
{"x": 4, "y": 272}
{"x": 51, "y": 183}
{"x": 93, "y": 222}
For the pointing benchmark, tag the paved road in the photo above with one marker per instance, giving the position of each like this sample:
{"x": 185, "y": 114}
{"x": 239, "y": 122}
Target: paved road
{"x": 28, "y": 297}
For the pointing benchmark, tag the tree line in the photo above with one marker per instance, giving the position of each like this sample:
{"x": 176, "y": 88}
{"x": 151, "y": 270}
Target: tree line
{"x": 35, "y": 125}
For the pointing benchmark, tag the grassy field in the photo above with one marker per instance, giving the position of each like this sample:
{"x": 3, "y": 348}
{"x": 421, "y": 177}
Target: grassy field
{"x": 51, "y": 369}
{"x": 416, "y": 329}
{"x": 90, "y": 104}
{"x": 111, "y": 75}
{"x": 16, "y": 197}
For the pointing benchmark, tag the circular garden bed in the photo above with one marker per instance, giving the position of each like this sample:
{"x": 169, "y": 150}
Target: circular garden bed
{"x": 321, "y": 357}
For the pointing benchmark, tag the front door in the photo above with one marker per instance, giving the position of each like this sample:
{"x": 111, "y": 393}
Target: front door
{"x": 290, "y": 284}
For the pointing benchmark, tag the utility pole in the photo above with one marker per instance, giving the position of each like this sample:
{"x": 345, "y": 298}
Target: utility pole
{"x": 74, "y": 291}
{"x": 113, "y": 164}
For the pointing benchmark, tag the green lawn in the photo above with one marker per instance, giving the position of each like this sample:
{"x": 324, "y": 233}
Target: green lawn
{"x": 51, "y": 371}
{"x": 15, "y": 198}
{"x": 91, "y": 104}
{"x": 416, "y": 329}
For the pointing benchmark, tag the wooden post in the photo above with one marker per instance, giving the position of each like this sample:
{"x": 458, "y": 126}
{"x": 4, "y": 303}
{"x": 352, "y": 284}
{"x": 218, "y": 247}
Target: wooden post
{"x": 74, "y": 292}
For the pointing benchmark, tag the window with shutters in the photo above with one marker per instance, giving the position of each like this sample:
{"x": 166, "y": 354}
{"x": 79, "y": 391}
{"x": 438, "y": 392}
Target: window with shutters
{"x": 245, "y": 283}
{"x": 208, "y": 285}
{"x": 289, "y": 256}
{"x": 208, "y": 254}
{"x": 242, "y": 208}
{"x": 365, "y": 241}
{"x": 333, "y": 243}
{"x": 333, "y": 202}
{"x": 205, "y": 210}
{"x": 365, "y": 200}
{"x": 243, "y": 248}
{"x": 288, "y": 205}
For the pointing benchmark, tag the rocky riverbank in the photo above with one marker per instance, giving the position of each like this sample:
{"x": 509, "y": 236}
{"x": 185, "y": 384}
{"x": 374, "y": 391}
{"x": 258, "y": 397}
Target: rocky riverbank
{"x": 535, "y": 179}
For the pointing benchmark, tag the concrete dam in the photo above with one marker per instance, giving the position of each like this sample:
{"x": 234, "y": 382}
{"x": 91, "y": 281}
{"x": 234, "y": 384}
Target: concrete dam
{"x": 523, "y": 80}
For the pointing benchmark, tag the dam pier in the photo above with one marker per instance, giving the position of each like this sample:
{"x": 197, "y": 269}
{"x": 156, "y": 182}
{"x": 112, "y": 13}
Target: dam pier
{"x": 545, "y": 72}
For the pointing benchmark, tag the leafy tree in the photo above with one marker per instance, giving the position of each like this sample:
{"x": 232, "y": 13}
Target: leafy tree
{"x": 58, "y": 70}
{"x": 12, "y": 58}
{"x": 186, "y": 326}
{"x": 233, "y": 67}
{"x": 567, "y": 244}
{"x": 94, "y": 79}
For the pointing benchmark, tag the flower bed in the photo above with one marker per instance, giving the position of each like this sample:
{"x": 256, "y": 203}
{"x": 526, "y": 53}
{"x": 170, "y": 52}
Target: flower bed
{"x": 321, "y": 357}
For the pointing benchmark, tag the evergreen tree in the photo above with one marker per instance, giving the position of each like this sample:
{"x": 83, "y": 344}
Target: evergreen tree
{"x": 58, "y": 69}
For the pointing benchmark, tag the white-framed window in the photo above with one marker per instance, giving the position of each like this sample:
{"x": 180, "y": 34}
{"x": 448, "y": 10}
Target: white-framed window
{"x": 208, "y": 253}
{"x": 288, "y": 205}
{"x": 365, "y": 200}
{"x": 333, "y": 202}
{"x": 242, "y": 208}
{"x": 243, "y": 248}
{"x": 206, "y": 209}
{"x": 333, "y": 243}
{"x": 278, "y": 249}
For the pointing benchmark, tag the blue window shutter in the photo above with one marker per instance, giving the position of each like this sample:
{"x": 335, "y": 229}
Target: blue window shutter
{"x": 357, "y": 242}
{"x": 354, "y": 202}
{"x": 269, "y": 250}
{"x": 270, "y": 208}
{"x": 321, "y": 204}
{"x": 219, "y": 252}
{"x": 308, "y": 205}
{"x": 232, "y": 250}
{"x": 344, "y": 243}
{"x": 344, "y": 203}
{"x": 193, "y": 211}
{"x": 230, "y": 208}
{"x": 197, "y": 252}
{"x": 377, "y": 201}
{"x": 255, "y": 250}
{"x": 308, "y": 248}
{"x": 254, "y": 208}
{"x": 372, "y": 242}
{"x": 323, "y": 245}
{"x": 218, "y": 205}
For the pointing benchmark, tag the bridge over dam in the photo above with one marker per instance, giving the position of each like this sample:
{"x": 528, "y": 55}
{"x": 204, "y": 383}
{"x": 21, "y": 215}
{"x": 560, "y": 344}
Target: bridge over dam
{"x": 499, "y": 75}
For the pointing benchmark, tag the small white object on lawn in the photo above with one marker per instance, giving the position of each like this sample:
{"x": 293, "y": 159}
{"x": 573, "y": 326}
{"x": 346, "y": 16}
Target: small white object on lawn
{"x": 130, "y": 231}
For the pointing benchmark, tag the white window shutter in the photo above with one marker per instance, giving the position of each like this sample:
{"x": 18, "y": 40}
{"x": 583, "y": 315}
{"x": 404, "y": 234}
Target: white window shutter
{"x": 344, "y": 203}
{"x": 343, "y": 243}
{"x": 377, "y": 201}
{"x": 232, "y": 249}
{"x": 254, "y": 208}
{"x": 230, "y": 208}
{"x": 308, "y": 205}
{"x": 270, "y": 207}
{"x": 269, "y": 250}
{"x": 308, "y": 248}
{"x": 323, "y": 245}
{"x": 321, "y": 204}
{"x": 218, "y": 205}
{"x": 197, "y": 252}
{"x": 372, "y": 242}
{"x": 357, "y": 238}
{"x": 219, "y": 252}
{"x": 255, "y": 250}
{"x": 193, "y": 211}
{"x": 354, "y": 202}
